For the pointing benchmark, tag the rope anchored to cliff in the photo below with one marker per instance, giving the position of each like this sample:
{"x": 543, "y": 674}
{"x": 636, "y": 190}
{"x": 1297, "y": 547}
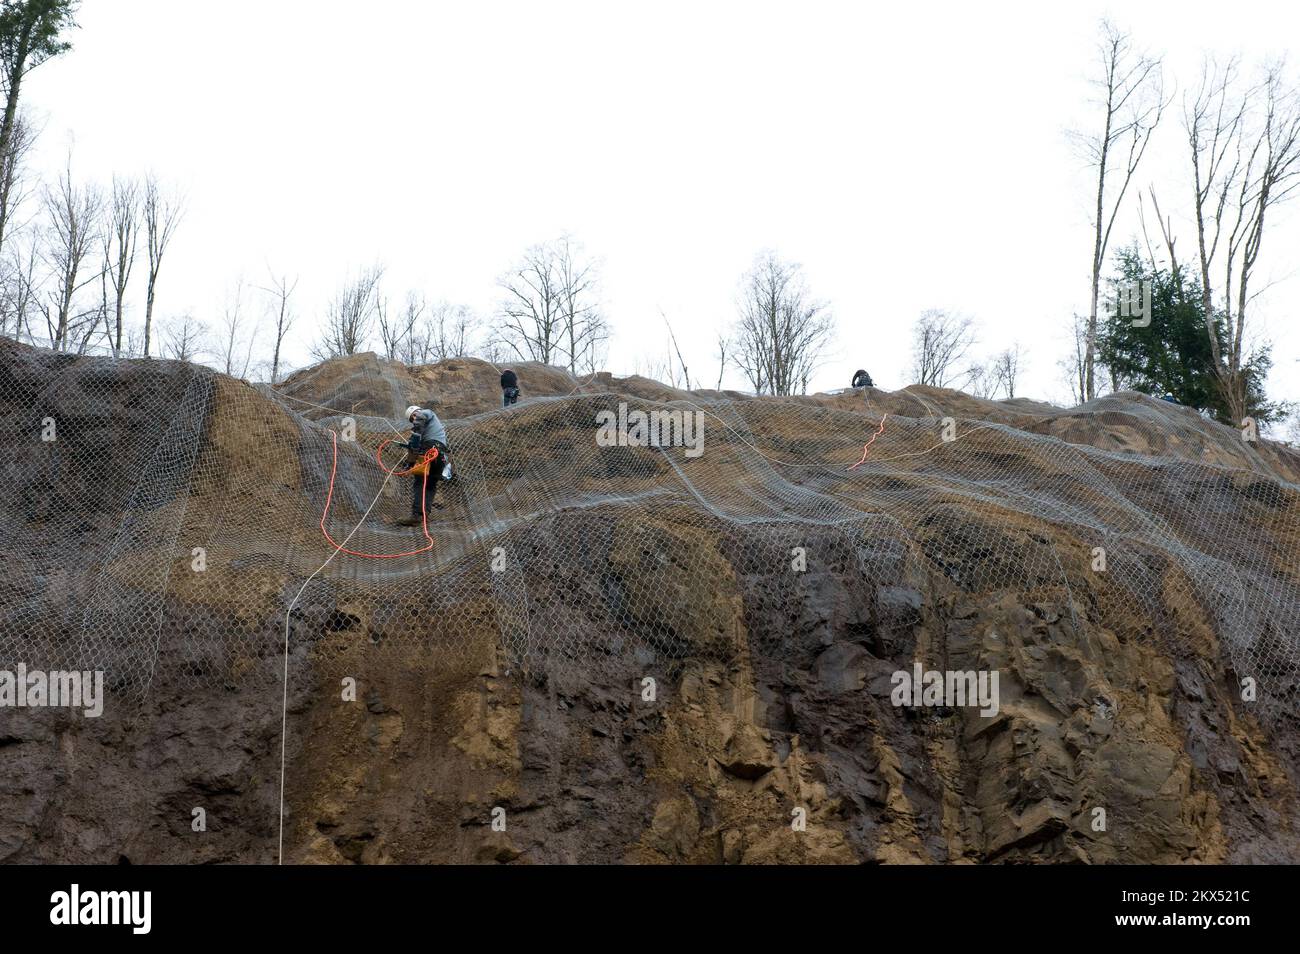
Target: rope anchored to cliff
{"x": 867, "y": 446}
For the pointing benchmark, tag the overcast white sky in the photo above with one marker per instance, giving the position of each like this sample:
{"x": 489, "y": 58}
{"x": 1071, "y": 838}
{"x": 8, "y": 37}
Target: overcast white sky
{"x": 908, "y": 158}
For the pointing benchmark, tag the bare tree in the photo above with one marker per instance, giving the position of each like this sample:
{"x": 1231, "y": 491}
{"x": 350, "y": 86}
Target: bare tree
{"x": 686, "y": 374}
{"x": 19, "y": 290}
{"x": 665, "y": 370}
{"x": 392, "y": 334}
{"x": 281, "y": 291}
{"x": 350, "y": 316}
{"x": 980, "y": 381}
{"x": 72, "y": 222}
{"x": 120, "y": 236}
{"x": 1133, "y": 101}
{"x": 424, "y": 333}
{"x": 493, "y": 351}
{"x": 1293, "y": 429}
{"x": 782, "y": 330}
{"x": 1244, "y": 146}
{"x": 13, "y": 181}
{"x": 448, "y": 331}
{"x": 940, "y": 341}
{"x": 162, "y": 213}
{"x": 1005, "y": 370}
{"x": 18, "y": 280}
{"x": 1072, "y": 365}
{"x": 237, "y": 335}
{"x": 105, "y": 311}
{"x": 532, "y": 312}
{"x": 415, "y": 339}
{"x": 417, "y": 333}
{"x": 582, "y": 326}
{"x": 724, "y": 343}
{"x": 184, "y": 338}
{"x": 595, "y": 337}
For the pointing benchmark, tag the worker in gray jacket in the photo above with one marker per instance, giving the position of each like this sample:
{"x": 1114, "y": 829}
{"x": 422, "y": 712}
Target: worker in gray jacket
{"x": 427, "y": 432}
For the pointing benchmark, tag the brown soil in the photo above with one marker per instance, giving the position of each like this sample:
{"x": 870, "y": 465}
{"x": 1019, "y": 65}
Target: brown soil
{"x": 526, "y": 693}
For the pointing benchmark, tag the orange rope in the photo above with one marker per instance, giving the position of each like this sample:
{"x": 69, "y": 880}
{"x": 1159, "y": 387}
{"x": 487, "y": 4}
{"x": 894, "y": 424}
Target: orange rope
{"x": 868, "y": 444}
{"x": 428, "y": 457}
{"x": 424, "y": 516}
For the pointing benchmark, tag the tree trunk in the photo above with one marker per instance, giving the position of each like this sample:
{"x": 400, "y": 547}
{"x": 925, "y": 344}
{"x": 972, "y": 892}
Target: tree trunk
{"x": 11, "y": 109}
{"x": 148, "y": 316}
{"x": 1090, "y": 345}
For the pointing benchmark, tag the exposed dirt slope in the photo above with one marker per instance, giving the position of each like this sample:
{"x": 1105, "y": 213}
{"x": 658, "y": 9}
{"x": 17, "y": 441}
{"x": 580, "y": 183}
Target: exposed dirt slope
{"x": 524, "y": 691}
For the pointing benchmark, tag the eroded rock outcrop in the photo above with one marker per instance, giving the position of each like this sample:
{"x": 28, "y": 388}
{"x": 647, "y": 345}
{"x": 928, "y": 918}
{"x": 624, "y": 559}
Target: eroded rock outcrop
{"x": 680, "y": 661}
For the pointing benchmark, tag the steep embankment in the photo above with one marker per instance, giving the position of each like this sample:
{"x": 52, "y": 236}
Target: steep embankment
{"x": 766, "y": 586}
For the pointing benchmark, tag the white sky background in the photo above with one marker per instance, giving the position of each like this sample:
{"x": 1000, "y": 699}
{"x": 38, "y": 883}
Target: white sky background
{"x": 907, "y": 158}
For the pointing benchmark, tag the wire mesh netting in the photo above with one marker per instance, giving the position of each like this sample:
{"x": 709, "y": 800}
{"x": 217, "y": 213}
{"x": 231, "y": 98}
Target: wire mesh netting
{"x": 163, "y": 521}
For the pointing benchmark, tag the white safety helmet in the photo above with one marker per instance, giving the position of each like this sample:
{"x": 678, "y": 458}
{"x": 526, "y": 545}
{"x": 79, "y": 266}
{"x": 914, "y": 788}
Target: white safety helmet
{"x": 410, "y": 411}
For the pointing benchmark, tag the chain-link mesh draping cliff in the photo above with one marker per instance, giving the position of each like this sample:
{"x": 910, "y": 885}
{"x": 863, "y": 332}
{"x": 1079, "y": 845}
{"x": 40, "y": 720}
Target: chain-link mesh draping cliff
{"x": 160, "y": 520}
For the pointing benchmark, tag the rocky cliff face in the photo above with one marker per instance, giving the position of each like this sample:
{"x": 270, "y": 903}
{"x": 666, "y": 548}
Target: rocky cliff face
{"x": 680, "y": 659}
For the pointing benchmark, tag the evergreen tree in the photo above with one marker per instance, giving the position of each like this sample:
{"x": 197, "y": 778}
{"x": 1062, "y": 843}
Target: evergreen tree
{"x": 1171, "y": 355}
{"x": 31, "y": 32}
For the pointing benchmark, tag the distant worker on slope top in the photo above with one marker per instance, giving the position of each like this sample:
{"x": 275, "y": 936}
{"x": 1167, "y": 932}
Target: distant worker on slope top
{"x": 1170, "y": 399}
{"x": 862, "y": 380}
{"x": 509, "y": 388}
{"x": 427, "y": 434}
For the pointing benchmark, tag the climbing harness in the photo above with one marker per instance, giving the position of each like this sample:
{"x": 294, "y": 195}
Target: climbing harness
{"x": 419, "y": 469}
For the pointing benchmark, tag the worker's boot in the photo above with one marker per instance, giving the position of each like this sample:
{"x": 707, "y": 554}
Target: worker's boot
{"x": 414, "y": 520}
